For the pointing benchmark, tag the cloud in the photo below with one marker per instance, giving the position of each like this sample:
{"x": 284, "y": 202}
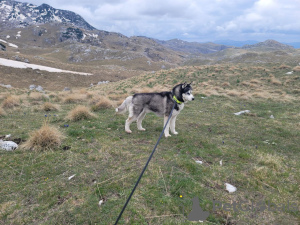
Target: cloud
{"x": 266, "y": 16}
{"x": 192, "y": 20}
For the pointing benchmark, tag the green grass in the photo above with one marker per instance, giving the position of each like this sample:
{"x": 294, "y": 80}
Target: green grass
{"x": 107, "y": 162}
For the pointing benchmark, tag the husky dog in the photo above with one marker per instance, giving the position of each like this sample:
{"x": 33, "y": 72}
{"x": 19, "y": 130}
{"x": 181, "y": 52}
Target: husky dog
{"x": 159, "y": 103}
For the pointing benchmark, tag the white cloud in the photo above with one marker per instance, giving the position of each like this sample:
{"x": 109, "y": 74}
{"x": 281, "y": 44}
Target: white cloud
{"x": 202, "y": 20}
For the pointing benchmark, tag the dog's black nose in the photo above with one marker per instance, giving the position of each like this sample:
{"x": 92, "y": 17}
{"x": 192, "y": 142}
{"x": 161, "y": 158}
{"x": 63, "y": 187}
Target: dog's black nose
{"x": 193, "y": 99}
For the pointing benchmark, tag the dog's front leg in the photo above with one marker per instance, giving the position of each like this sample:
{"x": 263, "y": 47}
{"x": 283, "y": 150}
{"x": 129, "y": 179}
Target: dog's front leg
{"x": 140, "y": 120}
{"x": 172, "y": 125}
{"x": 167, "y": 134}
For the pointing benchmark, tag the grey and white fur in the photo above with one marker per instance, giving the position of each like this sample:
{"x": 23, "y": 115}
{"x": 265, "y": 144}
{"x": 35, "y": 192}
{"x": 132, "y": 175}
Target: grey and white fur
{"x": 161, "y": 104}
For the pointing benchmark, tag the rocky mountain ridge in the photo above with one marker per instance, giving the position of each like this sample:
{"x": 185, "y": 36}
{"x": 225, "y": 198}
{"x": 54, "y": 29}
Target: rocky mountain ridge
{"x": 18, "y": 14}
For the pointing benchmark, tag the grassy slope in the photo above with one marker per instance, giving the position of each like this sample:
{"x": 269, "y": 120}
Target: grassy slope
{"x": 35, "y": 188}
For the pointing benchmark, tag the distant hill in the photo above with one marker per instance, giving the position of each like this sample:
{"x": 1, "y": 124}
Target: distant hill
{"x": 192, "y": 47}
{"x": 250, "y": 42}
{"x": 236, "y": 43}
{"x": 269, "y": 45}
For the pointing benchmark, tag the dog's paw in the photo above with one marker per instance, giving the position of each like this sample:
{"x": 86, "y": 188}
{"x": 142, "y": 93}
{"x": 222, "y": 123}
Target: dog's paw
{"x": 175, "y": 133}
{"x": 167, "y": 135}
{"x": 142, "y": 129}
{"x": 128, "y": 131}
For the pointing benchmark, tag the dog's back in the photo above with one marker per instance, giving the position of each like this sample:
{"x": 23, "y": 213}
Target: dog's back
{"x": 152, "y": 102}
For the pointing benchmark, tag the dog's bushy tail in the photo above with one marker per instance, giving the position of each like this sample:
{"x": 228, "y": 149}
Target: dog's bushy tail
{"x": 125, "y": 105}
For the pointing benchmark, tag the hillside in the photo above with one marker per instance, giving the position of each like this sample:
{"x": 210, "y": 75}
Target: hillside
{"x": 86, "y": 176}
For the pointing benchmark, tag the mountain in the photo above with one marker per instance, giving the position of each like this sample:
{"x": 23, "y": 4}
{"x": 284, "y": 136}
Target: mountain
{"x": 269, "y": 45}
{"x": 192, "y": 47}
{"x": 17, "y": 14}
{"x": 236, "y": 43}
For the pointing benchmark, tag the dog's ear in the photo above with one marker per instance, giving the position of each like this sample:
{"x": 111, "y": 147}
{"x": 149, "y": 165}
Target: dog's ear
{"x": 190, "y": 83}
{"x": 184, "y": 85}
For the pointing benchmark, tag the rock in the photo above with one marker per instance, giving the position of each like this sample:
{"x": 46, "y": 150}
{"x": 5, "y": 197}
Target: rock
{"x": 32, "y": 87}
{"x": 71, "y": 176}
{"x": 8, "y": 145}
{"x": 39, "y": 88}
{"x": 6, "y": 85}
{"x": 241, "y": 112}
{"x": 2, "y": 47}
{"x": 103, "y": 82}
{"x": 67, "y": 89}
{"x": 230, "y": 188}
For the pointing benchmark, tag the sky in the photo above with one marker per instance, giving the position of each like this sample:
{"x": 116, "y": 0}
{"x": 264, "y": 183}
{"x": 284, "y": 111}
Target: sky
{"x": 190, "y": 20}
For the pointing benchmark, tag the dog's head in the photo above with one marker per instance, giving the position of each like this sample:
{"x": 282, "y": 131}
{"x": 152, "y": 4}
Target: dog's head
{"x": 183, "y": 92}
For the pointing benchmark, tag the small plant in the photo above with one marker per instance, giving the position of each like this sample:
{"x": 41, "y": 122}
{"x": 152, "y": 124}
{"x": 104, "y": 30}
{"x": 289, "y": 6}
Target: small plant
{"x": 80, "y": 113}
{"x": 48, "y": 106}
{"x": 37, "y": 96}
{"x": 103, "y": 103}
{"x": 2, "y": 112}
{"x": 46, "y": 138}
{"x": 74, "y": 98}
{"x": 296, "y": 69}
{"x": 10, "y": 102}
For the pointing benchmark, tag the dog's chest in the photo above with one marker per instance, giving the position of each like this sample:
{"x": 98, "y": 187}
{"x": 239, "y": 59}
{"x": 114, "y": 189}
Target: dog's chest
{"x": 177, "y": 111}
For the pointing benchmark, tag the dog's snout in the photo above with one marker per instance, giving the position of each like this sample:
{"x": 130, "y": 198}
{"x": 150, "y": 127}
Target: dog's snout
{"x": 193, "y": 99}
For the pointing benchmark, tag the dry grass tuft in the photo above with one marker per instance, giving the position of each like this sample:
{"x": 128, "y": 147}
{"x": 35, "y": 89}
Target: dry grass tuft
{"x": 233, "y": 93}
{"x": 275, "y": 81}
{"x": 117, "y": 97}
{"x": 10, "y": 102}
{"x": 80, "y": 113}
{"x": 2, "y": 112}
{"x": 226, "y": 84}
{"x": 75, "y": 98}
{"x": 245, "y": 83}
{"x": 296, "y": 69}
{"x": 255, "y": 81}
{"x": 141, "y": 90}
{"x": 46, "y": 138}
{"x": 210, "y": 92}
{"x": 36, "y": 96}
{"x": 261, "y": 94}
{"x": 283, "y": 66}
{"x": 48, "y": 106}
{"x": 270, "y": 160}
{"x": 103, "y": 103}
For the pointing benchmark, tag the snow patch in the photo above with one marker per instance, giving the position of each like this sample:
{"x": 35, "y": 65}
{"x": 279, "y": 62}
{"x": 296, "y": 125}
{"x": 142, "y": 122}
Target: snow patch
{"x": 13, "y": 45}
{"x": 23, "y": 65}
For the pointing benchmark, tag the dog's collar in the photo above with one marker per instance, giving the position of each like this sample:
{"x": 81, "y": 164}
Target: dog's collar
{"x": 176, "y": 100}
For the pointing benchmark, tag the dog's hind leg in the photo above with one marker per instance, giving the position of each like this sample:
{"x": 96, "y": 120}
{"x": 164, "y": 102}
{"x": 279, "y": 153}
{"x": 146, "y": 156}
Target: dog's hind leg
{"x": 172, "y": 124}
{"x": 140, "y": 120}
{"x": 167, "y": 134}
{"x": 131, "y": 118}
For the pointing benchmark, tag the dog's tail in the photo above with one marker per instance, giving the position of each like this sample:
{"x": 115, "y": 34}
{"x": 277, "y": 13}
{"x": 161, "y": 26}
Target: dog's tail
{"x": 124, "y": 106}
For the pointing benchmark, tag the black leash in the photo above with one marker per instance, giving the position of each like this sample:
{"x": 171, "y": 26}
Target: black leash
{"x": 136, "y": 184}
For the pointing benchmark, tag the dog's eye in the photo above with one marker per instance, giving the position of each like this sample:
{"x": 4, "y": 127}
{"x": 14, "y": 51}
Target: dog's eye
{"x": 188, "y": 93}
